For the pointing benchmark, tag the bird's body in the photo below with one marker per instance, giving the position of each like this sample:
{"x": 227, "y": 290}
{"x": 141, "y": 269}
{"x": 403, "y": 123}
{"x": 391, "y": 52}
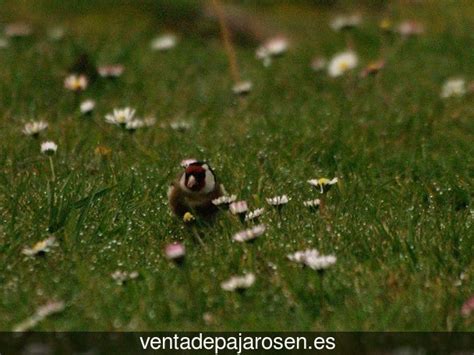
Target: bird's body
{"x": 194, "y": 190}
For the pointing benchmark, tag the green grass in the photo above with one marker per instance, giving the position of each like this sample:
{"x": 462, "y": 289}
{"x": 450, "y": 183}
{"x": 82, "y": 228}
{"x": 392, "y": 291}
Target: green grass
{"x": 400, "y": 222}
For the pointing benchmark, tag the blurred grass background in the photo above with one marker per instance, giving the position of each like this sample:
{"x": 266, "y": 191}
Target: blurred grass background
{"x": 400, "y": 222}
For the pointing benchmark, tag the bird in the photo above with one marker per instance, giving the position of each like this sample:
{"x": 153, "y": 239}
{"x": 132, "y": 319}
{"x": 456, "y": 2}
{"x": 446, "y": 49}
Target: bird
{"x": 194, "y": 189}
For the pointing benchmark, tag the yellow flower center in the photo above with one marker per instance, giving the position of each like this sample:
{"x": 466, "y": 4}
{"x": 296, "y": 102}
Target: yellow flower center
{"x": 188, "y": 217}
{"x": 39, "y": 246}
{"x": 385, "y": 24}
{"x": 323, "y": 181}
{"x": 344, "y": 66}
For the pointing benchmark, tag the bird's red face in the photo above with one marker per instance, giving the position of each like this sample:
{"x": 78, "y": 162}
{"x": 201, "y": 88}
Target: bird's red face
{"x": 195, "y": 177}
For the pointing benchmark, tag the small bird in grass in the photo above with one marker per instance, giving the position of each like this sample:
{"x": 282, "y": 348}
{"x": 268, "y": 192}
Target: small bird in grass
{"x": 194, "y": 190}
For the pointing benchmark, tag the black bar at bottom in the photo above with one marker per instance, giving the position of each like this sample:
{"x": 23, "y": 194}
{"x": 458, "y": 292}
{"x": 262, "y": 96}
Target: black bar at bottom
{"x": 415, "y": 343}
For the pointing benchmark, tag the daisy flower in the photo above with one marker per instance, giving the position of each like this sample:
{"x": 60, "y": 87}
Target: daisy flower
{"x": 175, "y": 252}
{"x": 318, "y": 63}
{"x": 468, "y": 307}
{"x": 111, "y": 71}
{"x": 323, "y": 184}
{"x": 238, "y": 207}
{"x": 278, "y": 201}
{"x": 276, "y": 46}
{"x": 373, "y": 68}
{"x": 224, "y": 200}
{"x": 249, "y": 234}
{"x": 120, "y": 117}
{"x": 122, "y": 276}
{"x": 49, "y": 148}
{"x": 103, "y": 151}
{"x": 238, "y": 283}
{"x": 410, "y": 28}
{"x": 180, "y": 126}
{"x": 76, "y": 82}
{"x": 18, "y": 29}
{"x": 343, "y": 22}
{"x": 242, "y": 87}
{"x": 134, "y": 124}
{"x": 312, "y": 204}
{"x": 164, "y": 42}
{"x": 3, "y": 43}
{"x": 56, "y": 33}
{"x": 87, "y": 107}
{"x": 34, "y": 128}
{"x": 149, "y": 121}
{"x": 342, "y": 62}
{"x": 272, "y": 48}
{"x": 255, "y": 214}
{"x": 40, "y": 248}
{"x": 454, "y": 87}
{"x": 313, "y": 259}
{"x": 386, "y": 25}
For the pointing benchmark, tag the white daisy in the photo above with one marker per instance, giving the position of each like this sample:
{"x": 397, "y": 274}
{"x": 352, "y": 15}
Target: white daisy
{"x": 49, "y": 148}
{"x": 149, "y": 121}
{"x": 34, "y": 128}
{"x": 249, "y": 234}
{"x": 18, "y": 29}
{"x": 111, "y": 71}
{"x": 313, "y": 259}
{"x": 180, "y": 125}
{"x": 224, "y": 200}
{"x": 323, "y": 184}
{"x": 122, "y": 276}
{"x": 41, "y": 247}
{"x": 454, "y": 87}
{"x": 164, "y": 42}
{"x": 134, "y": 124}
{"x": 242, "y": 87}
{"x": 75, "y": 82}
{"x": 120, "y": 116}
{"x": 278, "y": 200}
{"x": 272, "y": 48}
{"x": 276, "y": 46}
{"x": 468, "y": 307}
{"x": 312, "y": 204}
{"x": 238, "y": 207}
{"x": 343, "y": 22}
{"x": 319, "y": 63}
{"x": 255, "y": 214}
{"x": 238, "y": 283}
{"x": 56, "y": 33}
{"x": 87, "y": 106}
{"x": 3, "y": 43}
{"x": 410, "y": 28}
{"x": 175, "y": 252}
{"x": 342, "y": 62}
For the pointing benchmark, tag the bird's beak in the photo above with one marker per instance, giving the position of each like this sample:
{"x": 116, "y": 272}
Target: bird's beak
{"x": 191, "y": 182}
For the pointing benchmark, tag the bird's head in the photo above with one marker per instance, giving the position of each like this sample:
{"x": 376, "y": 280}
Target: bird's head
{"x": 198, "y": 177}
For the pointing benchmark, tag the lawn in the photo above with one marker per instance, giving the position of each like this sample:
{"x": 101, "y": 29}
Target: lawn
{"x": 399, "y": 221}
